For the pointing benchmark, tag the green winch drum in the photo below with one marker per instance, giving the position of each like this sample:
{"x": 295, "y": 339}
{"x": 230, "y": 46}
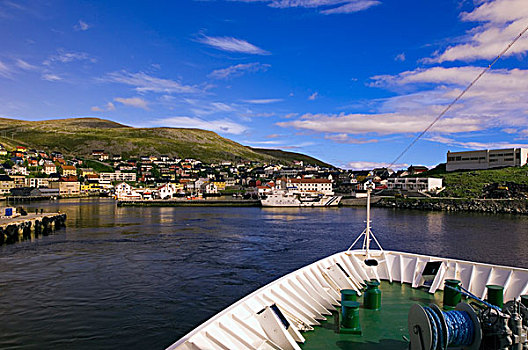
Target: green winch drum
{"x": 350, "y": 317}
{"x": 452, "y": 297}
{"x": 524, "y": 300}
{"x": 495, "y": 295}
{"x": 372, "y": 298}
{"x": 348, "y": 295}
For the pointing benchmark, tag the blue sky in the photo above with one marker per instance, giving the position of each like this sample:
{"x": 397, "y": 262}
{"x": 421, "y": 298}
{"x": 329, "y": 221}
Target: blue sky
{"x": 348, "y": 81}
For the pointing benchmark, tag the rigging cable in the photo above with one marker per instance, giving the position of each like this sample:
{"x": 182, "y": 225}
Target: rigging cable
{"x": 459, "y": 96}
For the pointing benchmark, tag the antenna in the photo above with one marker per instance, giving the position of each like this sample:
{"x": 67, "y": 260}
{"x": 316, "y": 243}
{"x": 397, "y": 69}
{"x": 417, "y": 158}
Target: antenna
{"x": 367, "y": 233}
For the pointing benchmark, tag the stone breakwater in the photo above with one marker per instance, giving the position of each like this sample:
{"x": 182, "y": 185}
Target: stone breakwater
{"x": 30, "y": 227}
{"x": 511, "y": 206}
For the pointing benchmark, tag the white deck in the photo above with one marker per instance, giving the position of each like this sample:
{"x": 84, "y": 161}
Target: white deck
{"x": 305, "y": 296}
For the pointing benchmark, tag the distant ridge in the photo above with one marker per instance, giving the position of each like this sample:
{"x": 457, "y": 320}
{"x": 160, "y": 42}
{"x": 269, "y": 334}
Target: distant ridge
{"x": 79, "y": 136}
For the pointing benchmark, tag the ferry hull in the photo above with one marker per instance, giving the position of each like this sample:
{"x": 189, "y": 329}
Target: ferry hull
{"x": 306, "y": 296}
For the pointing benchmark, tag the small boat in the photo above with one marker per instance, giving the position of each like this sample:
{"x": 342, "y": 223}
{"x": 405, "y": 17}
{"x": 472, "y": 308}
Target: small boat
{"x": 376, "y": 299}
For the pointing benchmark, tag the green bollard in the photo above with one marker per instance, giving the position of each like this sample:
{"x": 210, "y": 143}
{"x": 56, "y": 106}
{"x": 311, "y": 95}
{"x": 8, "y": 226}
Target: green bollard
{"x": 524, "y": 300}
{"x": 495, "y": 295}
{"x": 350, "y": 318}
{"x": 451, "y": 297}
{"x": 348, "y": 295}
{"x": 372, "y": 296}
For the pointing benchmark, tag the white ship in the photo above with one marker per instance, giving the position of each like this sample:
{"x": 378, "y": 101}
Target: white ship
{"x": 291, "y": 199}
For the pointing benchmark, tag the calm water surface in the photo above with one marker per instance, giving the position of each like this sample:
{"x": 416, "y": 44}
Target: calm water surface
{"x": 140, "y": 278}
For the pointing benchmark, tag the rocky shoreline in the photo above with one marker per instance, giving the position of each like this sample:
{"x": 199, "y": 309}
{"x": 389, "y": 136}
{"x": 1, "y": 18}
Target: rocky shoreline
{"x": 510, "y": 206}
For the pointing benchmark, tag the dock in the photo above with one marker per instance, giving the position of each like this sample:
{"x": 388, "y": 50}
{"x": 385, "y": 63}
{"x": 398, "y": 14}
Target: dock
{"x": 23, "y": 227}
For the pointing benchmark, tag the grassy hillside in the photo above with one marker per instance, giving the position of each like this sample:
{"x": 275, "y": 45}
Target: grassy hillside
{"x": 291, "y": 156}
{"x": 79, "y": 136}
{"x": 471, "y": 184}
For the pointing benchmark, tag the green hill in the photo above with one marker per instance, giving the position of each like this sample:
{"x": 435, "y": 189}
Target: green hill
{"x": 79, "y": 136}
{"x": 473, "y": 183}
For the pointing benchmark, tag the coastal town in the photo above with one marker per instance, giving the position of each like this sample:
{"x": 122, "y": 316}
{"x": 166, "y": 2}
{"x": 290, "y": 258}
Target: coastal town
{"x": 37, "y": 174}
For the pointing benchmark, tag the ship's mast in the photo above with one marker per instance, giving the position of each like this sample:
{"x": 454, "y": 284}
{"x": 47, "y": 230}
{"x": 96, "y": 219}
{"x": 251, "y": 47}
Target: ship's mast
{"x": 367, "y": 233}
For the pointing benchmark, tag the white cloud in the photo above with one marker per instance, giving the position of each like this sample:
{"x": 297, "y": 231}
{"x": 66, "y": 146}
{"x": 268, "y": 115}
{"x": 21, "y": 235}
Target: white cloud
{"x": 313, "y": 96}
{"x": 498, "y": 100}
{"x": 238, "y": 70}
{"x": 81, "y": 25}
{"x": 96, "y": 109}
{"x": 110, "y": 106}
{"x": 327, "y": 7}
{"x": 500, "y": 21}
{"x": 382, "y": 123}
{"x": 51, "y": 77}
{"x": 400, "y": 57}
{"x": 143, "y": 82}
{"x": 475, "y": 145}
{"x": 345, "y": 138}
{"x": 5, "y": 71}
{"x": 220, "y": 125}
{"x": 263, "y": 101}
{"x": 63, "y": 56}
{"x": 24, "y": 65}
{"x": 232, "y": 45}
{"x": 136, "y": 102}
{"x": 365, "y": 165}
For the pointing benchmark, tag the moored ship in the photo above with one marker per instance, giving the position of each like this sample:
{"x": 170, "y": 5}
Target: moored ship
{"x": 290, "y": 199}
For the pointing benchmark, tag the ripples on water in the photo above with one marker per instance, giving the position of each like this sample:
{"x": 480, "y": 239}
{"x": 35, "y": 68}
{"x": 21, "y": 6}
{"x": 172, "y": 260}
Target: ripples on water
{"x": 140, "y": 278}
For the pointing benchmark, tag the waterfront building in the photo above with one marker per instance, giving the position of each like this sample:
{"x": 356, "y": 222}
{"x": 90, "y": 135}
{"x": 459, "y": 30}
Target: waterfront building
{"x": 36, "y": 182}
{"x": 486, "y": 159}
{"x": 421, "y": 184}
{"x": 323, "y": 186}
{"x": 6, "y": 184}
{"x": 67, "y": 186}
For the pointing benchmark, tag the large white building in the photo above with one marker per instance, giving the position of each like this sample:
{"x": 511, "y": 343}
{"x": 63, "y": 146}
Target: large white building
{"x": 486, "y": 159}
{"x": 118, "y": 176}
{"x": 414, "y": 183}
{"x": 307, "y": 185}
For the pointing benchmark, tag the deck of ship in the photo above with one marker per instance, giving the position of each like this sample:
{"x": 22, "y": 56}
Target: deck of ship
{"x": 382, "y": 329}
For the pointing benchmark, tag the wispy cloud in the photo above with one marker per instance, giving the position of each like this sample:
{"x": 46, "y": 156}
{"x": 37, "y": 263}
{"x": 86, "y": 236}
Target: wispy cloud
{"x": 109, "y": 107}
{"x": 25, "y": 65}
{"x": 263, "y": 101}
{"x": 313, "y": 96}
{"x": 136, "y": 102}
{"x": 64, "y": 56}
{"x": 345, "y": 138}
{"x": 500, "y": 21}
{"x": 366, "y": 165}
{"x": 238, "y": 70}
{"x": 327, "y": 7}
{"x": 51, "y": 77}
{"x": 475, "y": 145}
{"x": 220, "y": 125}
{"x": 81, "y": 25}
{"x": 143, "y": 82}
{"x": 231, "y": 44}
{"x": 5, "y": 71}
{"x": 400, "y": 57}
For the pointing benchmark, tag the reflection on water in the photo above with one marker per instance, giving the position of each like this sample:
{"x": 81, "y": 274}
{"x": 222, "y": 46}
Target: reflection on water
{"x": 142, "y": 277}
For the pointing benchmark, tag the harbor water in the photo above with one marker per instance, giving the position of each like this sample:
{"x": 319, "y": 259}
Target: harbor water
{"x": 142, "y": 277}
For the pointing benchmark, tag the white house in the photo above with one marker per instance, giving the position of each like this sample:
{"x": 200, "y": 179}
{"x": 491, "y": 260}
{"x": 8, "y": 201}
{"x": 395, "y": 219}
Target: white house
{"x": 124, "y": 191}
{"x": 421, "y": 184}
{"x": 167, "y": 191}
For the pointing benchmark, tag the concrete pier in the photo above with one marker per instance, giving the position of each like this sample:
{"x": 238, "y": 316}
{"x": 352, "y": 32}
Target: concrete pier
{"x": 30, "y": 226}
